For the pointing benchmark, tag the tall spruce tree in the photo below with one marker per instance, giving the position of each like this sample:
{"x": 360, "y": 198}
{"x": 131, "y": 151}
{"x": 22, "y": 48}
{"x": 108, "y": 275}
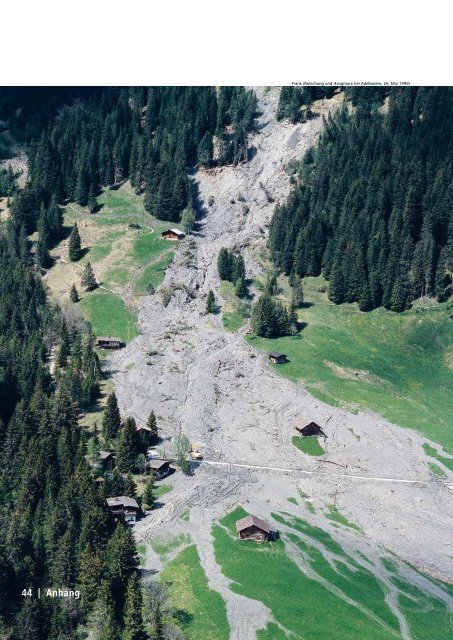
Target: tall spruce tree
{"x": 111, "y": 421}
{"x": 133, "y": 622}
{"x": 151, "y": 423}
{"x": 127, "y": 449}
{"x": 148, "y": 493}
{"x": 75, "y": 244}
{"x": 211, "y": 305}
{"x": 73, "y": 294}
{"x": 88, "y": 278}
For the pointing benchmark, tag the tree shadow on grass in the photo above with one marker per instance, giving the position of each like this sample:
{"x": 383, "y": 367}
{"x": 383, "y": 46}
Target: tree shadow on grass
{"x": 183, "y": 617}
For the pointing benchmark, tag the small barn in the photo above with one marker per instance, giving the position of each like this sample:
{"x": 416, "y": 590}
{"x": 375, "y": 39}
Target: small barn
{"x": 253, "y": 528}
{"x": 277, "y": 358}
{"x": 173, "y": 234}
{"x": 144, "y": 434}
{"x": 309, "y": 428}
{"x": 159, "y": 468}
{"x": 108, "y": 342}
{"x": 106, "y": 460}
{"x": 124, "y": 507}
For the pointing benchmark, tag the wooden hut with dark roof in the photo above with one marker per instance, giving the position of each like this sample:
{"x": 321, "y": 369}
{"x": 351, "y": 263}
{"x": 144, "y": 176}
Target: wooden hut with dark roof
{"x": 253, "y": 528}
{"x": 277, "y": 358}
{"x": 124, "y": 507}
{"x": 159, "y": 468}
{"x": 308, "y": 427}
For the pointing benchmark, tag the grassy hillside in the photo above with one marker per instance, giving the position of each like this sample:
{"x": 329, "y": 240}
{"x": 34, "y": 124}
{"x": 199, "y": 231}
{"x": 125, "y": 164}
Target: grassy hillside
{"x": 127, "y": 260}
{"x": 336, "y": 592}
{"x": 202, "y": 612}
{"x": 398, "y": 365}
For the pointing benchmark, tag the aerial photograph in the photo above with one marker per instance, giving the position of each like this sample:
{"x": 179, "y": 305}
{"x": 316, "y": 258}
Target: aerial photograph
{"x": 226, "y": 361}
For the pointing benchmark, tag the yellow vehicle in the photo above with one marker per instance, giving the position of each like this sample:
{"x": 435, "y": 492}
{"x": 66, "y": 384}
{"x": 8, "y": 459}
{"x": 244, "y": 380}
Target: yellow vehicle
{"x": 195, "y": 453}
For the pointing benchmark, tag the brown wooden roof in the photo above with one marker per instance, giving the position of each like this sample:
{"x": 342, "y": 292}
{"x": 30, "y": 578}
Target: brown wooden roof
{"x": 123, "y": 501}
{"x": 305, "y": 422}
{"x": 250, "y": 521}
{"x": 156, "y": 464}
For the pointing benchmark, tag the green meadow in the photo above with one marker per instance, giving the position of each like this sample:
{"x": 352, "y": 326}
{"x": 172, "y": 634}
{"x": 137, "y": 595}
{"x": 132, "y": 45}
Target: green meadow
{"x": 398, "y": 365}
{"x": 234, "y": 310}
{"x": 123, "y": 243}
{"x": 202, "y": 612}
{"x": 309, "y": 445}
{"x": 335, "y": 594}
{"x": 109, "y": 315}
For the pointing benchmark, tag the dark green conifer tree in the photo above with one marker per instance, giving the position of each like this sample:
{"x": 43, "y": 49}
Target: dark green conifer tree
{"x": 127, "y": 446}
{"x": 148, "y": 493}
{"x": 111, "y": 421}
{"x": 204, "y": 150}
{"x": 89, "y": 578}
{"x": 42, "y": 246}
{"x": 241, "y": 288}
{"x": 298, "y": 292}
{"x": 75, "y": 244}
{"x": 151, "y": 423}
{"x": 133, "y": 622}
{"x": 88, "y": 278}
{"x": 211, "y": 305}
{"x": 73, "y": 294}
{"x": 223, "y": 264}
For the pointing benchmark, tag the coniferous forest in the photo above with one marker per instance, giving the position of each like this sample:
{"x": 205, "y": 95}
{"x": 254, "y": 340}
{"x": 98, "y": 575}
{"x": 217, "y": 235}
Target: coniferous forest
{"x": 372, "y": 206}
{"x": 147, "y": 135}
{"x": 56, "y": 528}
{"x": 371, "y": 209}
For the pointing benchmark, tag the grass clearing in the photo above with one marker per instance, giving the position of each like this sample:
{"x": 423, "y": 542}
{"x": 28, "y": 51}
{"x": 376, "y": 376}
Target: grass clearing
{"x": 202, "y": 611}
{"x": 336, "y": 516}
{"x": 153, "y": 275}
{"x": 338, "y": 592}
{"x": 164, "y": 546}
{"x": 234, "y": 310}
{"x": 109, "y": 315}
{"x": 161, "y": 489}
{"x": 430, "y": 451}
{"x": 266, "y": 573}
{"x": 397, "y": 364}
{"x": 309, "y": 445}
{"x": 126, "y": 259}
{"x": 437, "y": 470}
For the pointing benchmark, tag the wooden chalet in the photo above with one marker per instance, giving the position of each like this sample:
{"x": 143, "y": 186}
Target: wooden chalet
{"x": 277, "y": 358}
{"x": 124, "y": 507}
{"x": 253, "y": 528}
{"x": 108, "y": 342}
{"x": 173, "y": 234}
{"x": 309, "y": 428}
{"x": 107, "y": 460}
{"x": 159, "y": 468}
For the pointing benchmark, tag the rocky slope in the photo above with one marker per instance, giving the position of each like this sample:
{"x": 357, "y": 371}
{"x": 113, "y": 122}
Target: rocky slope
{"x": 225, "y": 397}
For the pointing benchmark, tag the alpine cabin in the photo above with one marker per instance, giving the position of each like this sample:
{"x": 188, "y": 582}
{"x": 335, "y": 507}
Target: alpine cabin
{"x": 159, "y": 468}
{"x": 124, "y": 507}
{"x": 108, "y": 342}
{"x": 253, "y": 528}
{"x": 106, "y": 460}
{"x": 173, "y": 234}
{"x": 277, "y": 358}
{"x": 309, "y": 428}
